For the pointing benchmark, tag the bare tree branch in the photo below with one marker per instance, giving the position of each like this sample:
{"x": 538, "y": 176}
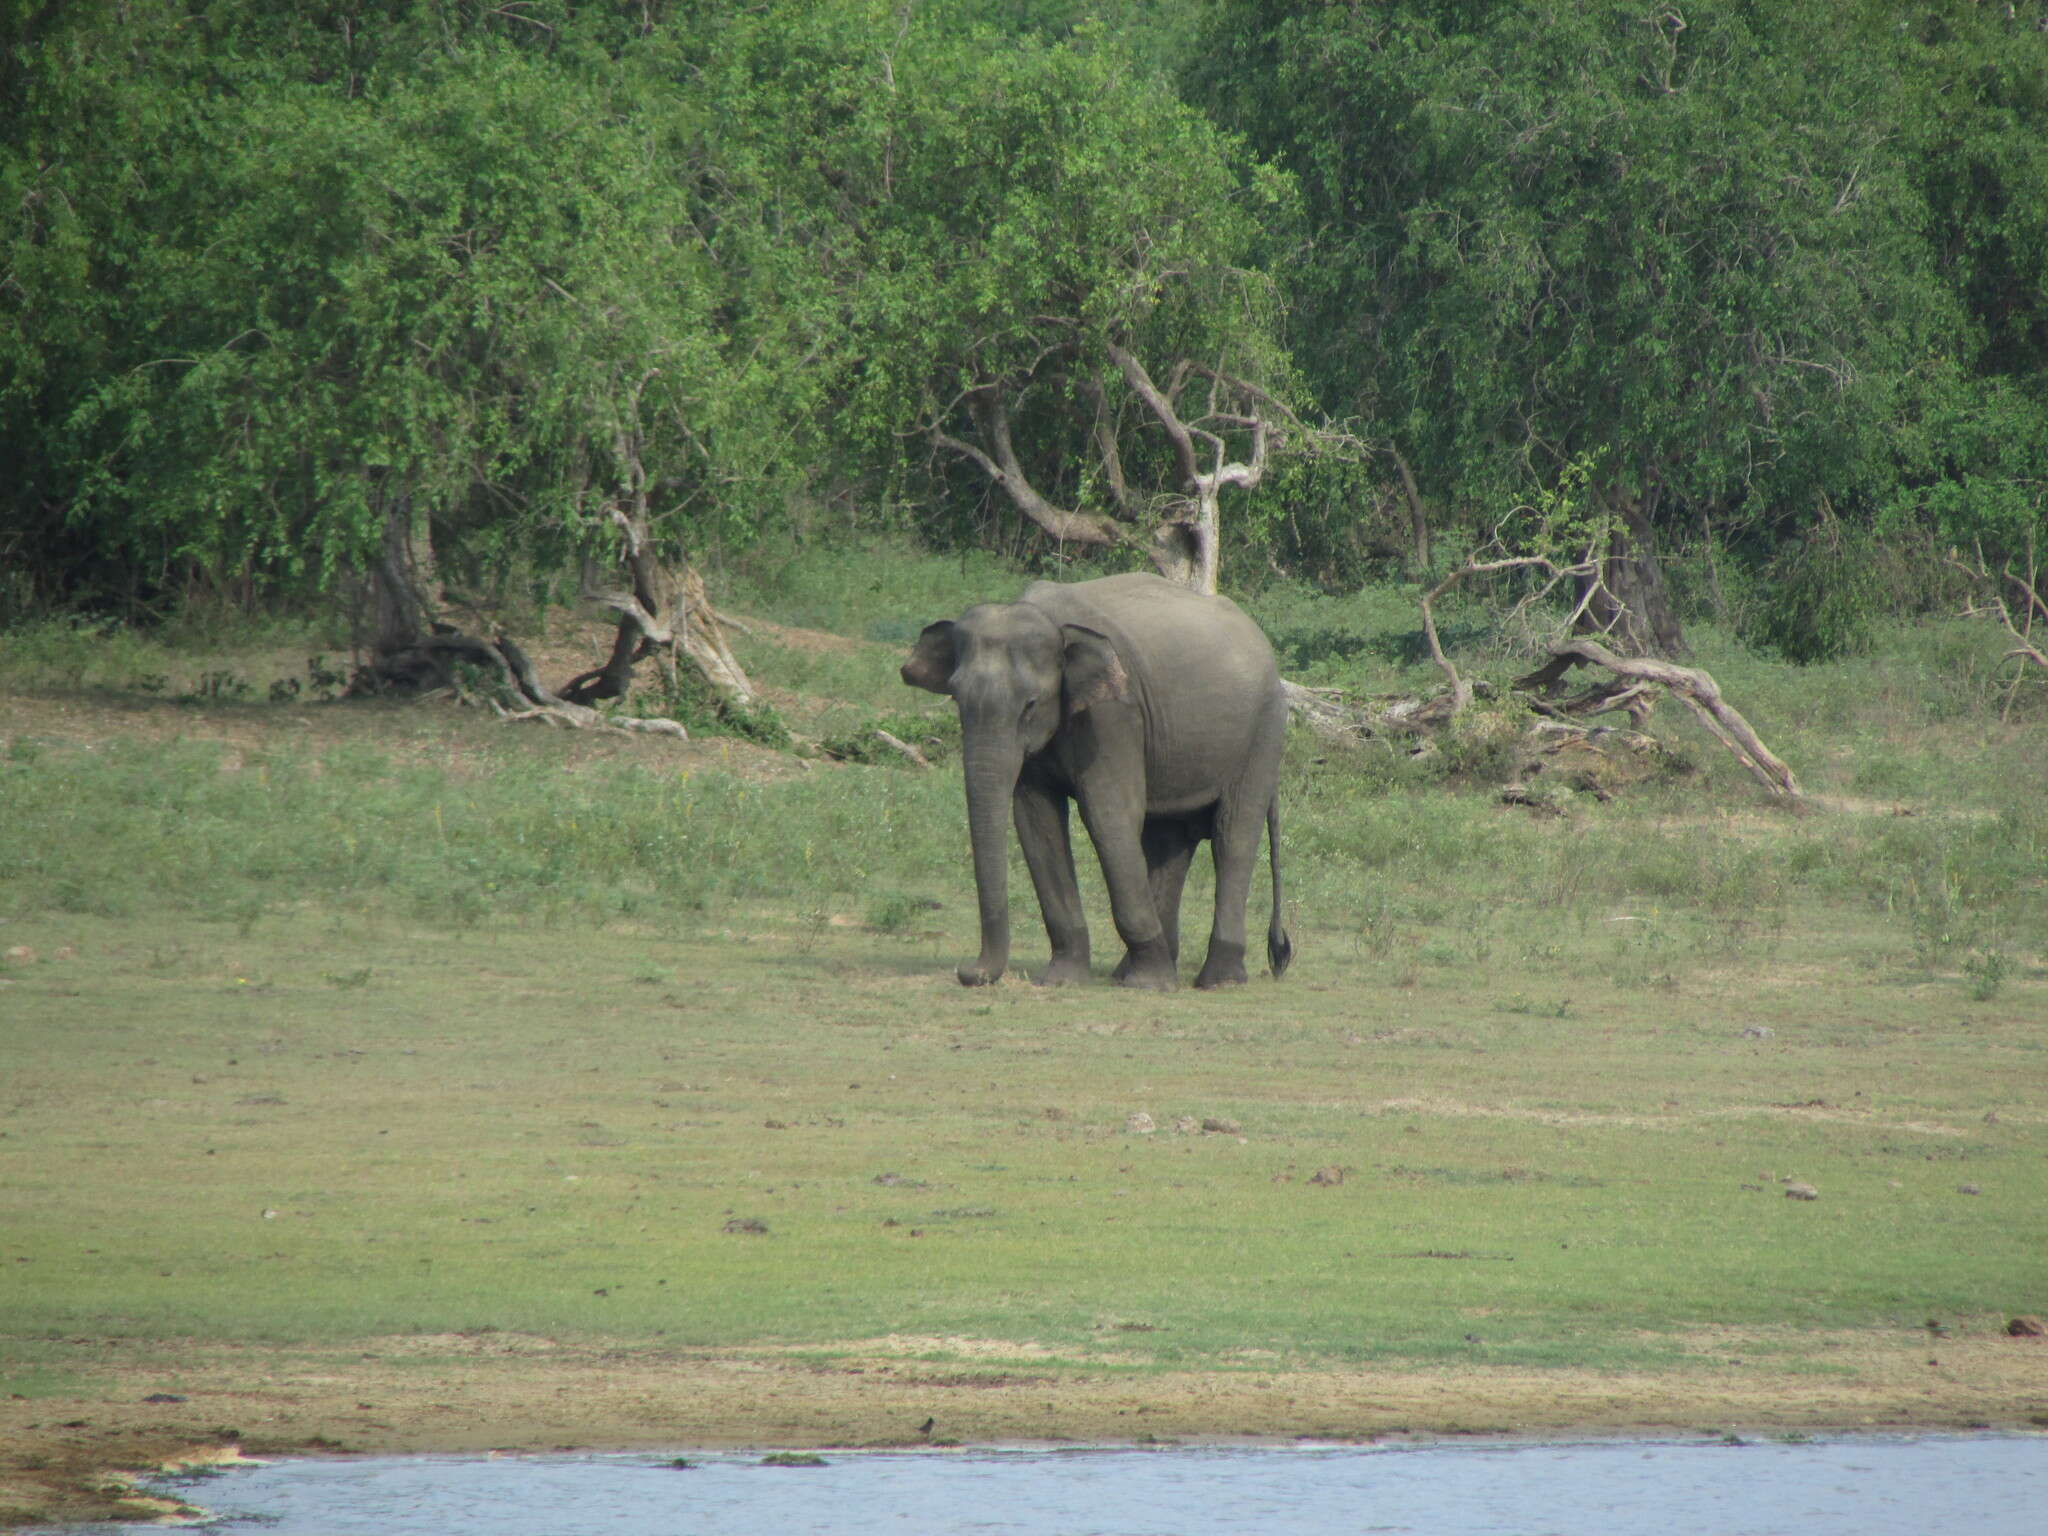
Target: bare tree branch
{"x": 1461, "y": 690}
{"x": 990, "y": 413}
{"x": 2030, "y": 597}
{"x": 1176, "y": 432}
{"x": 1107, "y": 449}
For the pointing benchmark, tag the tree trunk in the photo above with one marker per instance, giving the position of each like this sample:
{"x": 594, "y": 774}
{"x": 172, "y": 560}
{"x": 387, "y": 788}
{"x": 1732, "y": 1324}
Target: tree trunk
{"x": 659, "y": 616}
{"x": 1631, "y": 604}
{"x": 1189, "y": 549}
{"x": 1418, "y": 513}
{"x": 400, "y": 599}
{"x": 404, "y": 587}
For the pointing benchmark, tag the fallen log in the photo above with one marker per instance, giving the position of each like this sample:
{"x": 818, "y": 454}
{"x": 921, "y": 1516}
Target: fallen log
{"x": 1699, "y": 693}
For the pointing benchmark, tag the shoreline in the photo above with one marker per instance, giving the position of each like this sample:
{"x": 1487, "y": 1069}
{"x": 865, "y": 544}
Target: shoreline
{"x": 74, "y": 1456}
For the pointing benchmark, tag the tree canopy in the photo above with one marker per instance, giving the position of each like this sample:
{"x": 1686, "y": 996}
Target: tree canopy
{"x": 273, "y": 276}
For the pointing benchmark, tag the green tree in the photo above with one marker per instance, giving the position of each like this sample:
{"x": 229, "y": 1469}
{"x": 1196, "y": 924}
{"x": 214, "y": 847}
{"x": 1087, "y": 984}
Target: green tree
{"x": 344, "y": 295}
{"x": 1675, "y": 246}
{"x": 1975, "y": 452}
{"x": 375, "y": 297}
{"x": 1061, "y": 267}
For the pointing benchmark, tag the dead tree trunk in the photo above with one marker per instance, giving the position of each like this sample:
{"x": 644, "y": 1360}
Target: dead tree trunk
{"x": 1189, "y": 548}
{"x": 658, "y": 616}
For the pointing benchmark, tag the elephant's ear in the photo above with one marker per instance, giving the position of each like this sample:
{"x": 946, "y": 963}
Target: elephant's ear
{"x": 932, "y": 659}
{"x": 1093, "y": 671}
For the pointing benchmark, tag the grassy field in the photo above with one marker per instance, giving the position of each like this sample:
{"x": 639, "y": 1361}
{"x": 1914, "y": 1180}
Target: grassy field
{"x": 455, "y": 1065}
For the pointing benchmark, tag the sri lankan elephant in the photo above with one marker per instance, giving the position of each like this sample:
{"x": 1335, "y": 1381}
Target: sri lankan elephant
{"x": 1158, "y": 711}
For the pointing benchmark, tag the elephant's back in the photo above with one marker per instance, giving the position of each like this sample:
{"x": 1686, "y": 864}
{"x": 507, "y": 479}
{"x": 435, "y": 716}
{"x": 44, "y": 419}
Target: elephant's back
{"x": 1160, "y": 621}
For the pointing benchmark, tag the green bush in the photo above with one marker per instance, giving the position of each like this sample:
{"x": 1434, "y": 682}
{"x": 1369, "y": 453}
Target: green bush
{"x": 703, "y": 711}
{"x": 1820, "y": 598}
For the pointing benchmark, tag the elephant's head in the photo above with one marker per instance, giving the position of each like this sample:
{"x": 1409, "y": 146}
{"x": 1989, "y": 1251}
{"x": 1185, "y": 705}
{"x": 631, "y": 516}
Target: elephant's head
{"x": 1019, "y": 676}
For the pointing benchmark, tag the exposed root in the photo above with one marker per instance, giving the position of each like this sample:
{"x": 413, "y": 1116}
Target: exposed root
{"x": 496, "y": 673}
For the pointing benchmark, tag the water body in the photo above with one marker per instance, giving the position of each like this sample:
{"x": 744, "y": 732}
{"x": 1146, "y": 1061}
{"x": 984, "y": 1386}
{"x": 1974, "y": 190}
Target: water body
{"x": 1986, "y": 1485}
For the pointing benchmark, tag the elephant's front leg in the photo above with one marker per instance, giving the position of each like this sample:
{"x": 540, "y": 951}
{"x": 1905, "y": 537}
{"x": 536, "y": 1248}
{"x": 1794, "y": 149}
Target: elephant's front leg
{"x": 1041, "y": 817}
{"x": 1117, "y": 830}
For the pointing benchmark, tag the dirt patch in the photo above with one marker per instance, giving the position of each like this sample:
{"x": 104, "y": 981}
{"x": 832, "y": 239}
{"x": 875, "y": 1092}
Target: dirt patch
{"x": 140, "y": 1405}
{"x": 1455, "y": 1109}
{"x": 480, "y": 1341}
{"x": 436, "y": 733}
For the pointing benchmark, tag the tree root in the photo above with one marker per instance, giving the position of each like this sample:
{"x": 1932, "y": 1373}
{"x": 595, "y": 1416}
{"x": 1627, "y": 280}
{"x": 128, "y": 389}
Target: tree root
{"x": 496, "y": 673}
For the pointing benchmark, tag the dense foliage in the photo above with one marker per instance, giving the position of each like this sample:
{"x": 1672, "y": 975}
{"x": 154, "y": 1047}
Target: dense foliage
{"x": 1767, "y": 278}
{"x": 1764, "y": 268}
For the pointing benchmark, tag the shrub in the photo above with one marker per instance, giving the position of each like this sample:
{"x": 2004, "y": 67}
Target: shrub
{"x": 703, "y": 711}
{"x": 937, "y": 736}
{"x": 1820, "y": 597}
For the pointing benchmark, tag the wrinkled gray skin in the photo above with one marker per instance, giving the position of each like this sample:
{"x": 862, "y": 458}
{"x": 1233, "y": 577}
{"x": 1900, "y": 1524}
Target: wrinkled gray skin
{"x": 1154, "y": 708}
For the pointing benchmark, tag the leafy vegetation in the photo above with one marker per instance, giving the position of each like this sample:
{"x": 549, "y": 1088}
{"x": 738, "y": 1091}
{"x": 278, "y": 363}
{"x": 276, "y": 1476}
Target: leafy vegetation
{"x": 455, "y": 273}
{"x": 1686, "y": 245}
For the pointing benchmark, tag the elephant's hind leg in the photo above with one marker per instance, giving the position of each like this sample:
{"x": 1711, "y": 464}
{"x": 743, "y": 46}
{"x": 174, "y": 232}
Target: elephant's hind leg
{"x": 1240, "y": 824}
{"x": 1236, "y": 852}
{"x": 1169, "y": 843}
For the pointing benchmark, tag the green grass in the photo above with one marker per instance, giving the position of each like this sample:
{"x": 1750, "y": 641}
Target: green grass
{"x": 885, "y": 592}
{"x": 222, "y": 1135}
{"x": 118, "y": 829}
{"x": 425, "y": 1024}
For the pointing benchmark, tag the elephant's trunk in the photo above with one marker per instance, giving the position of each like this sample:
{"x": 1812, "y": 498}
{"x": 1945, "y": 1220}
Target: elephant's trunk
{"x": 991, "y": 771}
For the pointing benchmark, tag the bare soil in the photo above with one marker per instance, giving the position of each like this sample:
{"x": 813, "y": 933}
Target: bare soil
{"x": 142, "y": 1406}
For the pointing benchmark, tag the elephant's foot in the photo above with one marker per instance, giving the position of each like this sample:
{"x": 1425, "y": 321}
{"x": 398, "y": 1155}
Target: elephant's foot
{"x": 1224, "y": 967}
{"x": 1148, "y": 965}
{"x": 975, "y": 974}
{"x": 1064, "y": 971}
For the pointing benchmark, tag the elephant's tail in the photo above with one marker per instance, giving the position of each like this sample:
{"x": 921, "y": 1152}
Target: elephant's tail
{"x": 1279, "y": 948}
